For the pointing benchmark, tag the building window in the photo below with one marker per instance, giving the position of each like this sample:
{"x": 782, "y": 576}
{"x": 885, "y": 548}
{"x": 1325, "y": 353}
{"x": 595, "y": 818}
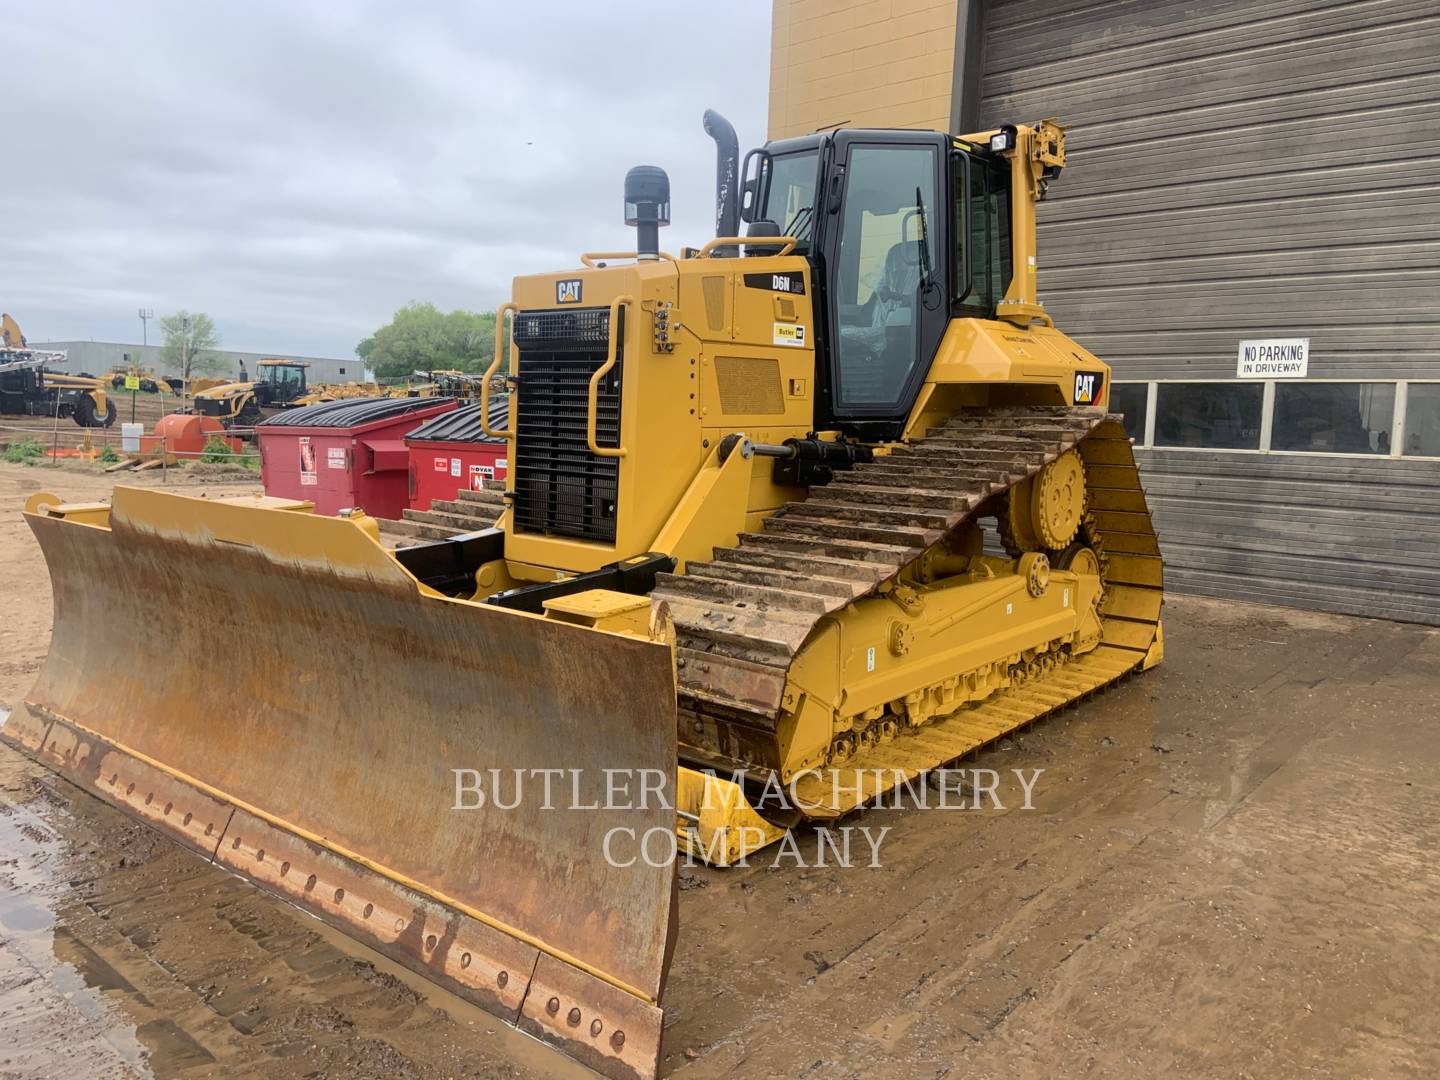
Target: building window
{"x": 1210, "y": 416}
{"x": 1280, "y": 416}
{"x": 1333, "y": 418}
{"x": 341, "y": 370}
{"x": 1130, "y": 399}
{"x": 1422, "y": 420}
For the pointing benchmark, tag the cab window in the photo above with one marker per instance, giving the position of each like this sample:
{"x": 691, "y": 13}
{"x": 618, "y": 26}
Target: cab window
{"x": 285, "y": 377}
{"x": 790, "y": 197}
{"x": 884, "y": 257}
{"x": 985, "y": 186}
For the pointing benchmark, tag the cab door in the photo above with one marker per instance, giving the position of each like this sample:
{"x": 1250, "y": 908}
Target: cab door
{"x": 887, "y": 271}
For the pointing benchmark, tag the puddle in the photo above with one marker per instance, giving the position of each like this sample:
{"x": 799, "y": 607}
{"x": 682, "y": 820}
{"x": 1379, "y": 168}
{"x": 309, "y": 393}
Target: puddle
{"x": 152, "y": 961}
{"x": 82, "y": 999}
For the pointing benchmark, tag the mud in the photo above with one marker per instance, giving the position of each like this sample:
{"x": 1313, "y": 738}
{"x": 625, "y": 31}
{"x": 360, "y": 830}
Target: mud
{"x": 1229, "y": 871}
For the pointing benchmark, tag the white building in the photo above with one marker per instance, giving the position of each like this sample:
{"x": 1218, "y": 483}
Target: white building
{"x": 98, "y": 357}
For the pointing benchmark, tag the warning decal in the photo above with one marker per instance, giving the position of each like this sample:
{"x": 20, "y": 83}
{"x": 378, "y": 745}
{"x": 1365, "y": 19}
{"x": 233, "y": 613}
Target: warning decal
{"x": 307, "y": 462}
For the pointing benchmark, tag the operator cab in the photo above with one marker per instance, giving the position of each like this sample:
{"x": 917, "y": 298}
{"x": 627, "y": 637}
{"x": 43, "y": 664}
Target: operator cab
{"x": 284, "y": 380}
{"x": 880, "y": 216}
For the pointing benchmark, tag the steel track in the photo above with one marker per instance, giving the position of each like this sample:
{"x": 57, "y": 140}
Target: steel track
{"x": 741, "y": 618}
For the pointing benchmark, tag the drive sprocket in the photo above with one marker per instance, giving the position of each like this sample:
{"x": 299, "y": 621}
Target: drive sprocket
{"x": 1057, "y": 501}
{"x": 1044, "y": 511}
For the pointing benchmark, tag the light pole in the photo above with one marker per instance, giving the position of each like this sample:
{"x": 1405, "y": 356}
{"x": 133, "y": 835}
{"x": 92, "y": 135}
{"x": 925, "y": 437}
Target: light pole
{"x": 146, "y": 314}
{"x": 185, "y": 349}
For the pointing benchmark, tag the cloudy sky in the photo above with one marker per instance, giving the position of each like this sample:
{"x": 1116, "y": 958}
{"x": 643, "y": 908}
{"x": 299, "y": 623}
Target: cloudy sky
{"x": 299, "y": 170}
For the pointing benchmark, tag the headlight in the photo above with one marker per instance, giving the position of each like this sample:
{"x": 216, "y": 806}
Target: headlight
{"x": 1002, "y": 141}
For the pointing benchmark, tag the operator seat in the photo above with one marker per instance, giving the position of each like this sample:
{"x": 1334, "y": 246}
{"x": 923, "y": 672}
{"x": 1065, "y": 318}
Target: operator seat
{"x": 878, "y": 338}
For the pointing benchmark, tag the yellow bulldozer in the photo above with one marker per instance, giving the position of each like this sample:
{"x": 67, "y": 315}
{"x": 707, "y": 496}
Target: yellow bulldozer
{"x": 805, "y": 512}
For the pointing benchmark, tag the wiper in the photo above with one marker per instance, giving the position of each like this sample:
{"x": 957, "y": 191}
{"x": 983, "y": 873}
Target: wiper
{"x": 926, "y": 272}
{"x": 800, "y": 220}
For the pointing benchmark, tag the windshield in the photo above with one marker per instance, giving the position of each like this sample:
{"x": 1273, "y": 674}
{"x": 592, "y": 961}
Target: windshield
{"x": 790, "y": 201}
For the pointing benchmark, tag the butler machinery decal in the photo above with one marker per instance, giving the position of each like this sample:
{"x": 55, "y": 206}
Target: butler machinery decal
{"x": 307, "y": 462}
{"x": 791, "y": 282}
{"x": 1088, "y": 385}
{"x": 789, "y": 334}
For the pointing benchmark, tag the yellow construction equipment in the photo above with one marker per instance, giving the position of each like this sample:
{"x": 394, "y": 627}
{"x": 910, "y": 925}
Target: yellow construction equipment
{"x": 243, "y": 403}
{"x": 447, "y": 383}
{"x": 320, "y": 393}
{"x": 282, "y": 385}
{"x": 29, "y": 388}
{"x": 461, "y": 385}
{"x": 150, "y": 382}
{"x": 813, "y": 510}
{"x": 10, "y": 336}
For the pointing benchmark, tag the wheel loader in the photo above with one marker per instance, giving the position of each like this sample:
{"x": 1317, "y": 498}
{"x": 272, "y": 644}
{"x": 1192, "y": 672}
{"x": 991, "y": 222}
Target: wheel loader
{"x": 811, "y": 510}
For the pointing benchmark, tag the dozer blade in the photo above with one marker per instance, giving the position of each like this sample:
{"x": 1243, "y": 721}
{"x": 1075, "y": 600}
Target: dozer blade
{"x": 311, "y": 703}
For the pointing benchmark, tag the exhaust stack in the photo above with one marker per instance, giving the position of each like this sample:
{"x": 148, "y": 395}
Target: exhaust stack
{"x": 727, "y": 169}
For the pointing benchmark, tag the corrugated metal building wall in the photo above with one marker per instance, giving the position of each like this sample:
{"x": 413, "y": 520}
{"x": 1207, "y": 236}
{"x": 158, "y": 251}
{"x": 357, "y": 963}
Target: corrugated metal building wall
{"x": 1243, "y": 169}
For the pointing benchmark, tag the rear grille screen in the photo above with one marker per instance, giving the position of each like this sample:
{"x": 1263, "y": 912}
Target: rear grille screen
{"x": 749, "y": 384}
{"x": 568, "y": 330}
{"x": 561, "y": 489}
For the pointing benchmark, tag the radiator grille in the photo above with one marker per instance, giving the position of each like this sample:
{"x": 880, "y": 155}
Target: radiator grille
{"x": 561, "y": 489}
{"x": 749, "y": 384}
{"x": 563, "y": 330}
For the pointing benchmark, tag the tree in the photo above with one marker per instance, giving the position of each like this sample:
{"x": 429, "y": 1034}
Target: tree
{"x": 190, "y": 344}
{"x": 421, "y": 337}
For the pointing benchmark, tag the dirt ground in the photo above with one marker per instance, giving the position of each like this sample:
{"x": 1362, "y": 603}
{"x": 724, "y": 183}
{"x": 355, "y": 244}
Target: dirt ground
{"x": 1230, "y": 870}
{"x": 65, "y": 434}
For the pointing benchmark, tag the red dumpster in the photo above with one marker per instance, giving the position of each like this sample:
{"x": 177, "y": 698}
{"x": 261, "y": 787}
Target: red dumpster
{"x": 344, "y": 453}
{"x": 452, "y": 452}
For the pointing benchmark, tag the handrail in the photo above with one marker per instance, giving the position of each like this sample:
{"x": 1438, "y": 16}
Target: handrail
{"x": 592, "y": 413}
{"x": 786, "y": 244}
{"x": 588, "y": 258}
{"x": 507, "y": 434}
